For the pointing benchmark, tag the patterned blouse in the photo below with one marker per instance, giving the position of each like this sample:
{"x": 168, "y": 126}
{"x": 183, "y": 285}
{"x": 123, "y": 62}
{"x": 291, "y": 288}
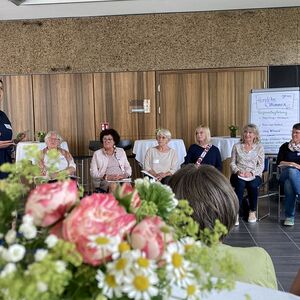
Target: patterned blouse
{"x": 248, "y": 161}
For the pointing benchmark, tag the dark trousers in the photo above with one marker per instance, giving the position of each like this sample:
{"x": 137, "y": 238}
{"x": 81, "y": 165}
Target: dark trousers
{"x": 252, "y": 189}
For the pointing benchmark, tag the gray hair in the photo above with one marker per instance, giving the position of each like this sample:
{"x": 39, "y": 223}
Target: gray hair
{"x": 209, "y": 194}
{"x": 252, "y": 128}
{"x": 163, "y": 132}
{"x": 48, "y": 135}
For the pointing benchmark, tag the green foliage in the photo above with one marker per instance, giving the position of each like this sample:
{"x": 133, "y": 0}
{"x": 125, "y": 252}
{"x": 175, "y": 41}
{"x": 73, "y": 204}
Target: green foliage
{"x": 159, "y": 195}
{"x": 180, "y": 219}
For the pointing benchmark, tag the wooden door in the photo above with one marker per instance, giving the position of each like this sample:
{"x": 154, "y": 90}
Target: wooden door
{"x": 113, "y": 93}
{"x": 183, "y": 103}
{"x": 64, "y": 102}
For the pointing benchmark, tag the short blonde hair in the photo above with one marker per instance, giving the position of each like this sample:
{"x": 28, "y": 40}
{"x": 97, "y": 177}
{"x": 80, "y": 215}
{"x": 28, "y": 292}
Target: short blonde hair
{"x": 252, "y": 128}
{"x": 206, "y": 131}
{"x": 163, "y": 132}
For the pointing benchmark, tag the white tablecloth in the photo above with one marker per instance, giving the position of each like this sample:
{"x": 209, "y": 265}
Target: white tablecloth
{"x": 21, "y": 148}
{"x": 225, "y": 144}
{"x": 141, "y": 146}
{"x": 241, "y": 289}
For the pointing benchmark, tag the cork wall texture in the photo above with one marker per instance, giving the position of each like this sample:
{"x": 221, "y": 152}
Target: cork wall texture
{"x": 151, "y": 42}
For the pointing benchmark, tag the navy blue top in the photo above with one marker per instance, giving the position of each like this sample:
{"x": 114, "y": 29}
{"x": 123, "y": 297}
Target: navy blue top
{"x": 212, "y": 157}
{"x": 5, "y": 134}
{"x": 285, "y": 154}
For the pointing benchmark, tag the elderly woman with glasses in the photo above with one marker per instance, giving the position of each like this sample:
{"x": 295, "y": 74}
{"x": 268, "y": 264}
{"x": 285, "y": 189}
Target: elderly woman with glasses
{"x": 161, "y": 161}
{"x": 109, "y": 163}
{"x": 53, "y": 167}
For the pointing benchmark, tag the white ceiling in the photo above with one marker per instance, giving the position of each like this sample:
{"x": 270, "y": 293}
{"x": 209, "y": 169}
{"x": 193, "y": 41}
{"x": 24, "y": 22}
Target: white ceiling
{"x": 9, "y": 11}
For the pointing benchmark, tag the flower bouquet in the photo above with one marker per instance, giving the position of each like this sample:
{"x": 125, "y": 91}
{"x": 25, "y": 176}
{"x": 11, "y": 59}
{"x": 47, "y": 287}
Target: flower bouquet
{"x": 138, "y": 243}
{"x": 233, "y": 129}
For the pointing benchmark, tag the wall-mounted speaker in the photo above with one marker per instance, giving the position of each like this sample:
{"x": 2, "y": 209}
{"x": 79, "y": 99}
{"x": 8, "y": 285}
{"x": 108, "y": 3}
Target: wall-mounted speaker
{"x": 284, "y": 76}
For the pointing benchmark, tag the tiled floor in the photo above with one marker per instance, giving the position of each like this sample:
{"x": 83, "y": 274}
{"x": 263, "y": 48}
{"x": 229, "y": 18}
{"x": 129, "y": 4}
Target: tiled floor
{"x": 281, "y": 242}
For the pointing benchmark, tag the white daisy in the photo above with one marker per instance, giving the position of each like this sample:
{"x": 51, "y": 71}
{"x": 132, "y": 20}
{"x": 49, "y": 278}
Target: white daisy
{"x": 191, "y": 291}
{"x": 8, "y": 269}
{"x": 40, "y": 254}
{"x": 104, "y": 242}
{"x": 15, "y": 253}
{"x": 28, "y": 230}
{"x": 108, "y": 284}
{"x": 175, "y": 262}
{"x": 141, "y": 263}
{"x": 140, "y": 287}
{"x": 51, "y": 240}
{"x": 189, "y": 242}
{"x": 10, "y": 236}
{"x": 120, "y": 267}
{"x": 42, "y": 287}
{"x": 60, "y": 266}
{"x": 122, "y": 248}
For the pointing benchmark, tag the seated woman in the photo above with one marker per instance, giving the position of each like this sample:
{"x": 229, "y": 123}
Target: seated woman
{"x": 109, "y": 163}
{"x": 161, "y": 161}
{"x": 247, "y": 165}
{"x": 211, "y": 196}
{"x": 203, "y": 152}
{"x": 288, "y": 160}
{"x": 65, "y": 162}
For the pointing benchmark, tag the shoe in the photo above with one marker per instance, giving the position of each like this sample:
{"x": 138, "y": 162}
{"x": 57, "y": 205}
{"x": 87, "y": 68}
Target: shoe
{"x": 252, "y": 217}
{"x": 289, "y": 222}
{"x": 237, "y": 223}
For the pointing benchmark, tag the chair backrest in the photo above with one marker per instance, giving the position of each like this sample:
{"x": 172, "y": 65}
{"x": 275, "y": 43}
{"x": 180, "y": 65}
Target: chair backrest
{"x": 125, "y": 144}
{"x": 94, "y": 145}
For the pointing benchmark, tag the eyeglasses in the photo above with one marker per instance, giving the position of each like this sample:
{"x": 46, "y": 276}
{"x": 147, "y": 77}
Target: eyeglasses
{"x": 54, "y": 139}
{"x": 108, "y": 139}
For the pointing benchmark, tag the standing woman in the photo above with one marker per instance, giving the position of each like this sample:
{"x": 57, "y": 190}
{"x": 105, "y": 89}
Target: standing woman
{"x": 247, "y": 165}
{"x": 288, "y": 160}
{"x": 161, "y": 161}
{"x": 203, "y": 152}
{"x": 6, "y": 133}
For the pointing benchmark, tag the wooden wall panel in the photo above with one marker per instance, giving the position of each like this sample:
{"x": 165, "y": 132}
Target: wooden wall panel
{"x": 64, "y": 103}
{"x": 18, "y": 103}
{"x": 113, "y": 91}
{"x": 183, "y": 101}
{"x": 244, "y": 82}
{"x": 216, "y": 97}
{"x": 221, "y": 102}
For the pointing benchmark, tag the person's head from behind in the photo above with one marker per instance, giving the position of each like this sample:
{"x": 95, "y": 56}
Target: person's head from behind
{"x": 202, "y": 135}
{"x": 296, "y": 133}
{"x": 109, "y": 137}
{"x": 53, "y": 140}
{"x": 250, "y": 134}
{"x": 209, "y": 194}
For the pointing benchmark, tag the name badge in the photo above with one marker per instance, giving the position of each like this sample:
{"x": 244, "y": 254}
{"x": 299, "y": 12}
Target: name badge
{"x": 8, "y": 126}
{"x": 298, "y": 153}
{"x": 156, "y": 161}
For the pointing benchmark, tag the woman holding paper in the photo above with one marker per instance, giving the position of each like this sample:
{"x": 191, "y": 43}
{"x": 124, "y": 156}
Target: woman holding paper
{"x": 288, "y": 160}
{"x": 161, "y": 161}
{"x": 247, "y": 165}
{"x": 109, "y": 163}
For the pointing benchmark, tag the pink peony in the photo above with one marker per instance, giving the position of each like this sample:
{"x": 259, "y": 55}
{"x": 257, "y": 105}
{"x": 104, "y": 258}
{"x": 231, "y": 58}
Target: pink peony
{"x": 148, "y": 237}
{"x": 135, "y": 201}
{"x": 95, "y": 215}
{"x": 48, "y": 202}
